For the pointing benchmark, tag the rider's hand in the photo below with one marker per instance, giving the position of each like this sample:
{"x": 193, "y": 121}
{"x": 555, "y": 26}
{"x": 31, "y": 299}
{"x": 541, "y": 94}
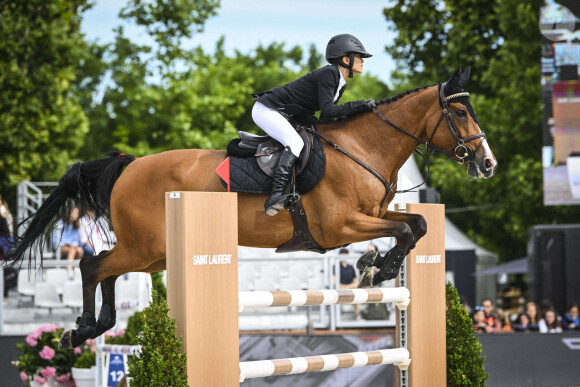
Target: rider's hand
{"x": 370, "y": 104}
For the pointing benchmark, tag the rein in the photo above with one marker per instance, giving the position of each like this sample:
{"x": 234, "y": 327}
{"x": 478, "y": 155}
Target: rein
{"x": 388, "y": 187}
{"x": 460, "y": 152}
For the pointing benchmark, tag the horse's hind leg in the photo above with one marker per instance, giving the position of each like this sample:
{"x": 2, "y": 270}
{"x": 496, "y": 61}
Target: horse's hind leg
{"x": 107, "y": 316}
{"x": 94, "y": 270}
{"x": 87, "y": 324}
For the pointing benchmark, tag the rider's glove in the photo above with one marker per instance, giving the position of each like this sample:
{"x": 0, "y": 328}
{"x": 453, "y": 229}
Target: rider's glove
{"x": 369, "y": 104}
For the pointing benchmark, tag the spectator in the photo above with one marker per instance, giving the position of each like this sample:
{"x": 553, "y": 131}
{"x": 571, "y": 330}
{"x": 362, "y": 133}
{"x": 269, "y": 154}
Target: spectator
{"x": 10, "y": 274}
{"x": 523, "y": 323}
{"x": 487, "y": 304}
{"x": 348, "y": 278}
{"x": 5, "y": 219}
{"x": 479, "y": 324}
{"x": 70, "y": 243}
{"x": 372, "y": 247}
{"x": 532, "y": 312}
{"x": 571, "y": 320}
{"x": 465, "y": 305}
{"x": 550, "y": 322}
{"x": 546, "y": 305}
{"x": 502, "y": 320}
{"x": 93, "y": 234}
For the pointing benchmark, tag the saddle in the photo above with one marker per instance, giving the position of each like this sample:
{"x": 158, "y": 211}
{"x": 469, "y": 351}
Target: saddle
{"x": 253, "y": 162}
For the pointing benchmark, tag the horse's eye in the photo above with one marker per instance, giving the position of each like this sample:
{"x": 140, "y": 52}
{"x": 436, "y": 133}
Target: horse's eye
{"x": 461, "y": 113}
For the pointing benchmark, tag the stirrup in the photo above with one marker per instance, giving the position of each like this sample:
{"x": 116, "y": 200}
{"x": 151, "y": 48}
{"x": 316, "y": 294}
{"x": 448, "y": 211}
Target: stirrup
{"x": 291, "y": 202}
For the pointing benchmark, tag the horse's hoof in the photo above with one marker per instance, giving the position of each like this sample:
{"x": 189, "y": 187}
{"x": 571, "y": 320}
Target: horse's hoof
{"x": 366, "y": 260}
{"x": 366, "y": 278}
{"x": 66, "y": 340}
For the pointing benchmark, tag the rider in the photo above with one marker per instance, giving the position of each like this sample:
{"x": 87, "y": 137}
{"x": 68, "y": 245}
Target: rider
{"x": 300, "y": 99}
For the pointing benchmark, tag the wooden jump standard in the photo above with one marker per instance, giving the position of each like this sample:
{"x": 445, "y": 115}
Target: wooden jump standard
{"x": 203, "y": 295}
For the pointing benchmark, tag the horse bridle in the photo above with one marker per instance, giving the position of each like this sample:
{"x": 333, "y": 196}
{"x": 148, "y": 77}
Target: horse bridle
{"x": 460, "y": 152}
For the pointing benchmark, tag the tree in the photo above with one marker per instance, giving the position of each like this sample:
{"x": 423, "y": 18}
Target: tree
{"x": 40, "y": 119}
{"x": 500, "y": 40}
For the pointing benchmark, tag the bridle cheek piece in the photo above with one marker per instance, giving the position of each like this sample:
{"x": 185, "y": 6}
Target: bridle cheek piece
{"x": 460, "y": 152}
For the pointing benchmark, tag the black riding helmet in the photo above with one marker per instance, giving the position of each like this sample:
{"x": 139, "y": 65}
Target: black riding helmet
{"x": 344, "y": 44}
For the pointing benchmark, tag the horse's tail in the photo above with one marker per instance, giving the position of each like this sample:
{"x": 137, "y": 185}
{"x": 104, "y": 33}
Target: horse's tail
{"x": 87, "y": 185}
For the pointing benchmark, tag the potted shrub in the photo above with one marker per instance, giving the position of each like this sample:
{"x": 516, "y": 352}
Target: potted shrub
{"x": 83, "y": 371}
{"x": 465, "y": 364}
{"x": 161, "y": 361}
{"x": 41, "y": 361}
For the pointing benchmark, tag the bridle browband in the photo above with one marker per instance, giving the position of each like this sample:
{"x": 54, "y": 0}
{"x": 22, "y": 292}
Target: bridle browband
{"x": 459, "y": 153}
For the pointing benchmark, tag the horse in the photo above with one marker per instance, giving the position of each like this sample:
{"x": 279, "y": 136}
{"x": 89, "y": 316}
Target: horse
{"x": 348, "y": 205}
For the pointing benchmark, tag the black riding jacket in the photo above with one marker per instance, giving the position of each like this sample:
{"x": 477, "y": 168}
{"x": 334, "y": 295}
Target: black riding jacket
{"x": 314, "y": 91}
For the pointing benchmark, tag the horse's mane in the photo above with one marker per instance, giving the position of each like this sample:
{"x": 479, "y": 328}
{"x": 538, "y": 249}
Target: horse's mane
{"x": 401, "y": 95}
{"x": 382, "y": 101}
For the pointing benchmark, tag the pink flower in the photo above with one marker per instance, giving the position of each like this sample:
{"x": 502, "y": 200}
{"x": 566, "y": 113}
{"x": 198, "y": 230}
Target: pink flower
{"x": 65, "y": 378}
{"x": 46, "y": 353}
{"x": 77, "y": 351}
{"x": 72, "y": 383}
{"x": 48, "y": 328}
{"x": 48, "y": 372}
{"x": 24, "y": 377}
{"x": 39, "y": 379}
{"x": 31, "y": 341}
{"x": 32, "y": 338}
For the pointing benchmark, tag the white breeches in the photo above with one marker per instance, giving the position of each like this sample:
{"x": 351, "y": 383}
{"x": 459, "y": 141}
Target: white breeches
{"x": 274, "y": 123}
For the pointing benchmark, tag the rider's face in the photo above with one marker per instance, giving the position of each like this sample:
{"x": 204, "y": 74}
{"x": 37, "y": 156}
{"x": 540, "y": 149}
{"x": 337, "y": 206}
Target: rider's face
{"x": 357, "y": 67}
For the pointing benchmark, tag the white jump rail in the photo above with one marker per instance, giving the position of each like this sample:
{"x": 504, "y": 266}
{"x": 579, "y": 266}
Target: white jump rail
{"x": 299, "y": 365}
{"x": 265, "y": 299}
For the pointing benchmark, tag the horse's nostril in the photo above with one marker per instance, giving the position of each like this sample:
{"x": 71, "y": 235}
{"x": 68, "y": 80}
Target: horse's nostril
{"x": 488, "y": 164}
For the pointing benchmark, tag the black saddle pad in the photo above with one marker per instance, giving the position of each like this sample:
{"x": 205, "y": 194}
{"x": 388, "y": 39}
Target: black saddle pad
{"x": 246, "y": 175}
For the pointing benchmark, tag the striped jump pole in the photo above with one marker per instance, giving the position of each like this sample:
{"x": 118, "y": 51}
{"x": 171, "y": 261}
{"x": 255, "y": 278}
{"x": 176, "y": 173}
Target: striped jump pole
{"x": 265, "y": 299}
{"x": 300, "y": 365}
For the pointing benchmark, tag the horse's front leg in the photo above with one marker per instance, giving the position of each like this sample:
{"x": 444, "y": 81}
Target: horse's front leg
{"x": 390, "y": 263}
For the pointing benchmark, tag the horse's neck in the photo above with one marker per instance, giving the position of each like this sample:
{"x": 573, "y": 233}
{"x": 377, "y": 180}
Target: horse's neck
{"x": 376, "y": 142}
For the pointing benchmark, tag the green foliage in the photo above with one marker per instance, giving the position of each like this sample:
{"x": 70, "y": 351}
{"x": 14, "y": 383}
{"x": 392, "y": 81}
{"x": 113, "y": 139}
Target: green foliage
{"x": 41, "y": 121}
{"x": 501, "y": 43}
{"x": 160, "y": 362}
{"x": 464, "y": 361}
{"x": 86, "y": 359}
{"x": 131, "y": 333}
{"x": 158, "y": 285}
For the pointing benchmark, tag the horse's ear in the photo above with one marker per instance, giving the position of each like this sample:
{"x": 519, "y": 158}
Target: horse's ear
{"x": 464, "y": 79}
{"x": 453, "y": 82}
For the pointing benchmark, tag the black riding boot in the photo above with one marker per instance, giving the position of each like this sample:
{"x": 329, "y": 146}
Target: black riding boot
{"x": 277, "y": 198}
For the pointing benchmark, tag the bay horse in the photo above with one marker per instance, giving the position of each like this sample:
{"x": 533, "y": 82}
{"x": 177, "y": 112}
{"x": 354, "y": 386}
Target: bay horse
{"x": 348, "y": 205}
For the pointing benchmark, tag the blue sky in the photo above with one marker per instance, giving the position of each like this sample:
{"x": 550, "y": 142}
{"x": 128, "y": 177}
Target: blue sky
{"x": 245, "y": 24}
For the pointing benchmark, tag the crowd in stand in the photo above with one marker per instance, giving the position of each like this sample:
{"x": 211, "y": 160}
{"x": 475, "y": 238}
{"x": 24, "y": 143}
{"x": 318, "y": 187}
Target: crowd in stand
{"x": 533, "y": 318}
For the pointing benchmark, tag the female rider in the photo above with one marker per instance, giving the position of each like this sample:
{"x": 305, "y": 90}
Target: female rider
{"x": 300, "y": 99}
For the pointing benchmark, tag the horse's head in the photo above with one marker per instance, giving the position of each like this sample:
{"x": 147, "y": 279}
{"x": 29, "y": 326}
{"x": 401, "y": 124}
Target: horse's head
{"x": 459, "y": 136}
